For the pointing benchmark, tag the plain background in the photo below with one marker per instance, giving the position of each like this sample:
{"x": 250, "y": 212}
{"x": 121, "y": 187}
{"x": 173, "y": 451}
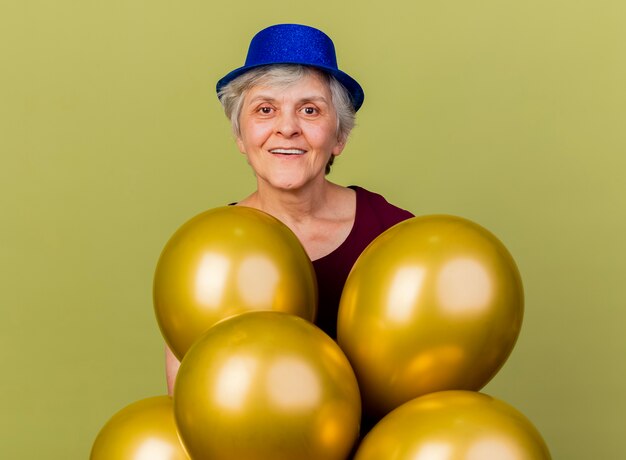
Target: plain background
{"x": 511, "y": 114}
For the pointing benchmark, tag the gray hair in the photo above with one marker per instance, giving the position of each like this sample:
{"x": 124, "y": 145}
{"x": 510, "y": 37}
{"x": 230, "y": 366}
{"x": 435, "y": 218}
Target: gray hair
{"x": 232, "y": 95}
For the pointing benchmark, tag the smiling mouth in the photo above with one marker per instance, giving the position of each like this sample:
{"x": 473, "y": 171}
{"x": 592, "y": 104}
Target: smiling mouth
{"x": 288, "y": 151}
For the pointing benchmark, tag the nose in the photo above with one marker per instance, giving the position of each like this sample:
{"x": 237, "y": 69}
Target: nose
{"x": 287, "y": 124}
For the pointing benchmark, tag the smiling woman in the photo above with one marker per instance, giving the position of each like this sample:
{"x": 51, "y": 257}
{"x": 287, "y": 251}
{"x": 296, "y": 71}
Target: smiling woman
{"x": 292, "y": 110}
{"x": 288, "y": 133}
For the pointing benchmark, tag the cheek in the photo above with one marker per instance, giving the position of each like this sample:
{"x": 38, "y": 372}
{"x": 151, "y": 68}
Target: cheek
{"x": 328, "y": 139}
{"x": 247, "y": 141}
{"x": 323, "y": 135}
{"x": 255, "y": 135}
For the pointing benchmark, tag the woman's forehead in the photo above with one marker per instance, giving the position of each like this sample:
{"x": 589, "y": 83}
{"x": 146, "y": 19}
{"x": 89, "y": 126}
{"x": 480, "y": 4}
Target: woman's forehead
{"x": 310, "y": 86}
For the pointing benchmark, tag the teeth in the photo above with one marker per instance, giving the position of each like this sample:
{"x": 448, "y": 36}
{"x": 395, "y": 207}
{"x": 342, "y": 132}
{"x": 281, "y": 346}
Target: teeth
{"x": 288, "y": 151}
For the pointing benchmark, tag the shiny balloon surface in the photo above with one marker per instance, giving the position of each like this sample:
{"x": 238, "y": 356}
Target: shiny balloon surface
{"x": 454, "y": 425}
{"x": 226, "y": 261}
{"x": 144, "y": 430}
{"x": 266, "y": 385}
{"x": 435, "y": 303}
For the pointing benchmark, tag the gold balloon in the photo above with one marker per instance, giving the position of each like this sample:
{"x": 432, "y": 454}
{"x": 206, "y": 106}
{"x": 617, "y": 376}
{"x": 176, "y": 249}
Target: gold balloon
{"x": 266, "y": 385}
{"x": 144, "y": 430}
{"x": 435, "y": 303}
{"x": 226, "y": 261}
{"x": 454, "y": 425}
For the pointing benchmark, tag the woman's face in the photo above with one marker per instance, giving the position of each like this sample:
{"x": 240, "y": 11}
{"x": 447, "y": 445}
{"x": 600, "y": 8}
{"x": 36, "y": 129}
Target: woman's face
{"x": 289, "y": 133}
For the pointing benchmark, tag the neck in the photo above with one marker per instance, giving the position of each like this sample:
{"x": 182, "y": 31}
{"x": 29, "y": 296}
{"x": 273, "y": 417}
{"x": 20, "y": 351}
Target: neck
{"x": 293, "y": 207}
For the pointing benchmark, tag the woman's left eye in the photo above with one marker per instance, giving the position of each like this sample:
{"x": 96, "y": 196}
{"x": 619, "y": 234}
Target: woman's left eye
{"x": 310, "y": 110}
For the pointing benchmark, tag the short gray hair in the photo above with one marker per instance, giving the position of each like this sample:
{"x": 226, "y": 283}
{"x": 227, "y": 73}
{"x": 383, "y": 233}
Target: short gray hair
{"x": 232, "y": 95}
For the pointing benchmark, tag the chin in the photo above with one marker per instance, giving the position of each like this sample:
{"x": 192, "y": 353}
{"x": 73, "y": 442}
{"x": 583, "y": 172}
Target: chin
{"x": 287, "y": 183}
{"x": 289, "y": 186}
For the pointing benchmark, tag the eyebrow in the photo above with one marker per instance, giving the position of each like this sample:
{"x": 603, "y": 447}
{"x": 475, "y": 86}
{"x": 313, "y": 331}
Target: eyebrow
{"x": 262, "y": 97}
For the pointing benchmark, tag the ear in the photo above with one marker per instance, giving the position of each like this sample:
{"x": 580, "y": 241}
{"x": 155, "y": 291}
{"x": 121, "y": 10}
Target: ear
{"x": 338, "y": 148}
{"x": 240, "y": 144}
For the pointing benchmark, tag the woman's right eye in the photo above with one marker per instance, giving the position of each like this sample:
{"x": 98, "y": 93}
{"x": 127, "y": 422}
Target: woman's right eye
{"x": 265, "y": 110}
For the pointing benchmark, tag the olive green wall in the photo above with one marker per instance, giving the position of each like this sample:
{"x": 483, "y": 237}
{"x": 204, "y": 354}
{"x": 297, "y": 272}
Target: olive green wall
{"x": 509, "y": 113}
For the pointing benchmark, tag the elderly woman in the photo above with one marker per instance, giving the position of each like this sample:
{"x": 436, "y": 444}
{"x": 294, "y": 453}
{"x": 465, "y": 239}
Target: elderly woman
{"x": 292, "y": 110}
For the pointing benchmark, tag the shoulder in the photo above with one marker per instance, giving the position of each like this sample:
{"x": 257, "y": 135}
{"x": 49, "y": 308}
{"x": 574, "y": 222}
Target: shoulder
{"x": 377, "y": 207}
